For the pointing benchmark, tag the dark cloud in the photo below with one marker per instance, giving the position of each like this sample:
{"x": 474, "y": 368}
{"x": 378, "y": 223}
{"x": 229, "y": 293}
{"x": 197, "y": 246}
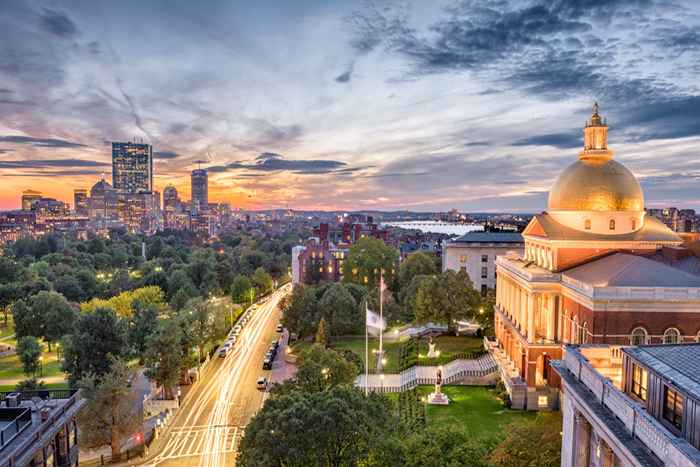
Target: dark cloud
{"x": 345, "y": 76}
{"x": 5, "y": 151}
{"x": 558, "y": 140}
{"x": 165, "y": 155}
{"x": 49, "y": 163}
{"x": 272, "y": 162}
{"x": 477, "y": 143}
{"x": 57, "y": 23}
{"x": 40, "y": 142}
{"x": 54, "y": 173}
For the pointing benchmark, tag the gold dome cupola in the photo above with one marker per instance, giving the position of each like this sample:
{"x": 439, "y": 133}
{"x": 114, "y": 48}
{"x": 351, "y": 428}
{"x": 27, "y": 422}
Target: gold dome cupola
{"x": 595, "y": 138}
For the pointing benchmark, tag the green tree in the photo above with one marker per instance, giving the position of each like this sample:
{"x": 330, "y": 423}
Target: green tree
{"x": 240, "y": 289}
{"x": 416, "y": 264}
{"x": 27, "y": 323}
{"x": 321, "y": 334}
{"x": 8, "y": 294}
{"x": 262, "y": 281}
{"x": 340, "y": 311}
{"x": 30, "y": 384}
{"x": 367, "y": 258}
{"x": 537, "y": 442}
{"x": 164, "y": 357}
{"x": 301, "y": 312}
{"x": 319, "y": 369}
{"x": 29, "y": 351}
{"x": 57, "y": 314}
{"x": 328, "y": 428}
{"x": 99, "y": 338}
{"x": 202, "y": 270}
{"x": 446, "y": 298}
{"x": 143, "y": 324}
{"x": 111, "y": 412}
{"x": 180, "y": 288}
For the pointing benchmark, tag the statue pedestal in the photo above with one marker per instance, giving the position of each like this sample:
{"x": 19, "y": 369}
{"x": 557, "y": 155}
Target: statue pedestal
{"x": 438, "y": 398}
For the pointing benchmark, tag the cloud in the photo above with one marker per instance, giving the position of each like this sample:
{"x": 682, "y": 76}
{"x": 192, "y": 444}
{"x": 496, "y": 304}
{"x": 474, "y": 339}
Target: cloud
{"x": 40, "y": 142}
{"x": 5, "y": 151}
{"x": 345, "y": 76}
{"x": 49, "y": 163}
{"x": 58, "y": 23}
{"x": 558, "y": 140}
{"x": 272, "y": 162}
{"x": 165, "y": 155}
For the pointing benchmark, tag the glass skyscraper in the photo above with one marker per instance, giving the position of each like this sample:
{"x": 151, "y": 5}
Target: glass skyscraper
{"x": 132, "y": 167}
{"x": 200, "y": 190}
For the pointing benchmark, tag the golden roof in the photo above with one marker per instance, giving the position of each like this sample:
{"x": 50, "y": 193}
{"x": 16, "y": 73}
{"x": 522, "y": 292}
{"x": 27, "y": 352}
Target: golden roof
{"x": 596, "y": 185}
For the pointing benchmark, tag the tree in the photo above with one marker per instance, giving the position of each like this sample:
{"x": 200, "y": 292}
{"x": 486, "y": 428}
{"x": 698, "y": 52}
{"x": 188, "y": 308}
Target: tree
{"x": 111, "y": 412}
{"x": 29, "y": 351}
{"x": 321, "y": 334}
{"x": 144, "y": 323}
{"x": 416, "y": 264}
{"x": 329, "y": 428}
{"x": 8, "y": 294}
{"x": 202, "y": 270}
{"x": 517, "y": 448}
{"x": 27, "y": 323}
{"x": 301, "y": 312}
{"x": 319, "y": 369}
{"x": 99, "y": 338}
{"x": 164, "y": 357}
{"x": 340, "y": 311}
{"x": 180, "y": 283}
{"x": 198, "y": 321}
{"x": 240, "y": 289}
{"x": 367, "y": 258}
{"x": 57, "y": 314}
{"x": 30, "y": 384}
{"x": 446, "y": 298}
{"x": 262, "y": 281}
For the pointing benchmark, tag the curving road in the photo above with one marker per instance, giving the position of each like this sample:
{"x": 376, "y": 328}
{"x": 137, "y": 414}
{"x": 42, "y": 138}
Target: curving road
{"x": 209, "y": 423}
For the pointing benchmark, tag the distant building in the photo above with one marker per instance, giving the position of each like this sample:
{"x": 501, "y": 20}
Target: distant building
{"x": 200, "y": 189}
{"x": 349, "y": 232}
{"x": 132, "y": 167}
{"x": 29, "y": 197}
{"x": 38, "y": 428}
{"x": 476, "y": 254}
{"x": 630, "y": 406}
{"x": 80, "y": 202}
{"x": 317, "y": 261}
{"x": 103, "y": 202}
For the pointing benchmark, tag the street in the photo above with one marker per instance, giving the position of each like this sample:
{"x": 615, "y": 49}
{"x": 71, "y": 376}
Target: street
{"x": 209, "y": 423}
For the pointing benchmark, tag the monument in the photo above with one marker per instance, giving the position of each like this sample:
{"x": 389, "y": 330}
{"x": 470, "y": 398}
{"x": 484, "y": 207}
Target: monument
{"x": 437, "y": 397}
{"x": 432, "y": 353}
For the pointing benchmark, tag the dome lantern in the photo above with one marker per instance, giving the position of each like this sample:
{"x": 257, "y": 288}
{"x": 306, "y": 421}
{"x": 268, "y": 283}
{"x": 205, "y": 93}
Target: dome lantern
{"x": 595, "y": 138}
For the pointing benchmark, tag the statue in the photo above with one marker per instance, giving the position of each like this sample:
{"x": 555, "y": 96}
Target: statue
{"x": 432, "y": 353}
{"x": 437, "y": 397}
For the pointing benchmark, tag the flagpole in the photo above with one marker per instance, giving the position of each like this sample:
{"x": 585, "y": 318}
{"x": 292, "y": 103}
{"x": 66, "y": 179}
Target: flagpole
{"x": 366, "y": 351}
{"x": 381, "y": 318}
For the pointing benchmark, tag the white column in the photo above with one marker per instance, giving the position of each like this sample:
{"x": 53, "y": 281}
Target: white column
{"x": 530, "y": 317}
{"x": 551, "y": 318}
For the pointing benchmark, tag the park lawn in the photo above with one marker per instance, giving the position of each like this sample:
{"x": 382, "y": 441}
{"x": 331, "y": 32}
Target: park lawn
{"x": 449, "y": 347}
{"x": 476, "y": 409}
{"x": 11, "y": 367}
{"x": 11, "y": 387}
{"x": 357, "y": 345}
{"x": 8, "y": 330}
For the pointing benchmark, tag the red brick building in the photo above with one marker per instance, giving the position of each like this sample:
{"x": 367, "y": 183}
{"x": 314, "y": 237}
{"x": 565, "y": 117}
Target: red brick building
{"x": 596, "y": 269}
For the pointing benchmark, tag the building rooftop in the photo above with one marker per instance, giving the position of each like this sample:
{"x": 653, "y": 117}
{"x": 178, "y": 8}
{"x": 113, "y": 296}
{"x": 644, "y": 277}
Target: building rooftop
{"x": 627, "y": 270}
{"x": 489, "y": 237}
{"x": 679, "y": 363}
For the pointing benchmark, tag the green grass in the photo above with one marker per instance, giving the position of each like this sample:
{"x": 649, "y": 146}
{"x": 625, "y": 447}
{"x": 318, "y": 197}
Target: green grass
{"x": 11, "y": 368}
{"x": 476, "y": 409}
{"x": 11, "y": 387}
{"x": 448, "y": 346}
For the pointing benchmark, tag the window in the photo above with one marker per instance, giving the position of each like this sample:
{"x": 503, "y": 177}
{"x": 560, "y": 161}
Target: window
{"x": 638, "y": 336}
{"x": 484, "y": 272}
{"x": 634, "y": 224}
{"x": 640, "y": 378}
{"x": 673, "y": 407}
{"x": 463, "y": 259}
{"x": 484, "y": 258}
{"x": 484, "y": 290}
{"x": 587, "y": 224}
{"x": 612, "y": 224}
{"x": 672, "y": 336}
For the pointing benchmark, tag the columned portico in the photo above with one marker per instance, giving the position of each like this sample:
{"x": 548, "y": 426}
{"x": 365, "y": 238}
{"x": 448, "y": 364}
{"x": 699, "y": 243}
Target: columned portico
{"x": 582, "y": 440}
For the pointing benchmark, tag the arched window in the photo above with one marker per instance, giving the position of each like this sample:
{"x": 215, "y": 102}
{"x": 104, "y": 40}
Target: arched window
{"x": 634, "y": 224}
{"x": 587, "y": 224}
{"x": 672, "y": 336}
{"x": 612, "y": 224}
{"x": 638, "y": 336}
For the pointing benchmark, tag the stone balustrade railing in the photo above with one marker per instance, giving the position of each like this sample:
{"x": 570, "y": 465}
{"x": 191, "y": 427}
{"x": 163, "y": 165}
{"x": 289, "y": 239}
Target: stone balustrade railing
{"x": 672, "y": 450}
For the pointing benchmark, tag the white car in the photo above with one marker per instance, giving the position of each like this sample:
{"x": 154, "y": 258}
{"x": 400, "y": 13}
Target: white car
{"x": 262, "y": 384}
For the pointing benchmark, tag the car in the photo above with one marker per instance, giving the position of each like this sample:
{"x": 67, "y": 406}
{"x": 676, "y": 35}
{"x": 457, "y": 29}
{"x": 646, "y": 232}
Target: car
{"x": 267, "y": 364}
{"x": 272, "y": 350}
{"x": 280, "y": 328}
{"x": 262, "y": 384}
{"x": 223, "y": 351}
{"x": 231, "y": 340}
{"x": 275, "y": 344}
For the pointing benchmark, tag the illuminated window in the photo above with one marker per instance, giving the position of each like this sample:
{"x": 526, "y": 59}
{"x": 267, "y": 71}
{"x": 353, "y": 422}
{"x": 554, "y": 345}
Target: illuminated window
{"x": 672, "y": 336}
{"x": 673, "y": 407}
{"x": 640, "y": 379}
{"x": 330, "y": 268}
{"x": 612, "y": 224}
{"x": 463, "y": 259}
{"x": 587, "y": 224}
{"x": 638, "y": 336}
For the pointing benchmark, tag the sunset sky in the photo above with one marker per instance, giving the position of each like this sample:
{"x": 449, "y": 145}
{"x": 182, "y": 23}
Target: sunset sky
{"x": 422, "y": 105}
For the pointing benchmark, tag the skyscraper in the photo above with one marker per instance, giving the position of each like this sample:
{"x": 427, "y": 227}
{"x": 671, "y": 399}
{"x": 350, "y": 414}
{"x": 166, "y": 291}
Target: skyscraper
{"x": 200, "y": 189}
{"x": 29, "y": 197}
{"x": 132, "y": 167}
{"x": 80, "y": 201}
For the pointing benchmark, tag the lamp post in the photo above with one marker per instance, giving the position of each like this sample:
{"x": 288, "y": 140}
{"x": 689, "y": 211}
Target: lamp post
{"x": 41, "y": 365}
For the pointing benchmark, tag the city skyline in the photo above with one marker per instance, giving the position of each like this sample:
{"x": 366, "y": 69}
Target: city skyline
{"x": 397, "y": 110}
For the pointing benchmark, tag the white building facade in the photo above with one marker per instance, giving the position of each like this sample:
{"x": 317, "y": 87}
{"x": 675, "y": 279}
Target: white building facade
{"x": 476, "y": 253}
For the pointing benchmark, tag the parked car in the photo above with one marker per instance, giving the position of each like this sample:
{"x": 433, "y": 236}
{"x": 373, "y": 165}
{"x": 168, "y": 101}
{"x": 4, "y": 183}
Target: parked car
{"x": 262, "y": 384}
{"x": 267, "y": 364}
{"x": 275, "y": 344}
{"x": 280, "y": 328}
{"x": 223, "y": 351}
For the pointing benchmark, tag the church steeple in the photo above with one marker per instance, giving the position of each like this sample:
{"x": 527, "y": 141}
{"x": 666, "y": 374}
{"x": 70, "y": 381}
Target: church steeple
{"x": 595, "y": 138}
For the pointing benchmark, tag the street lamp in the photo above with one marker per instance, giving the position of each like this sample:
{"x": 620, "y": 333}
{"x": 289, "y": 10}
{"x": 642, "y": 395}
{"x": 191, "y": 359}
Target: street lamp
{"x": 41, "y": 365}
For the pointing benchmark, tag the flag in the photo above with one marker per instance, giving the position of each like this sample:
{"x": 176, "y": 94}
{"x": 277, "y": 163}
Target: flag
{"x": 374, "y": 323}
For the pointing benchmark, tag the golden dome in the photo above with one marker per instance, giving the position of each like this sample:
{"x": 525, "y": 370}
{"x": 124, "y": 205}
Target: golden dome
{"x": 596, "y": 185}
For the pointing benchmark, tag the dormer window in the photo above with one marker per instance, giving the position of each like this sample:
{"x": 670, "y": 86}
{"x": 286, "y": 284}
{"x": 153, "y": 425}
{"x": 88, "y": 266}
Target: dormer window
{"x": 587, "y": 224}
{"x": 612, "y": 224}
